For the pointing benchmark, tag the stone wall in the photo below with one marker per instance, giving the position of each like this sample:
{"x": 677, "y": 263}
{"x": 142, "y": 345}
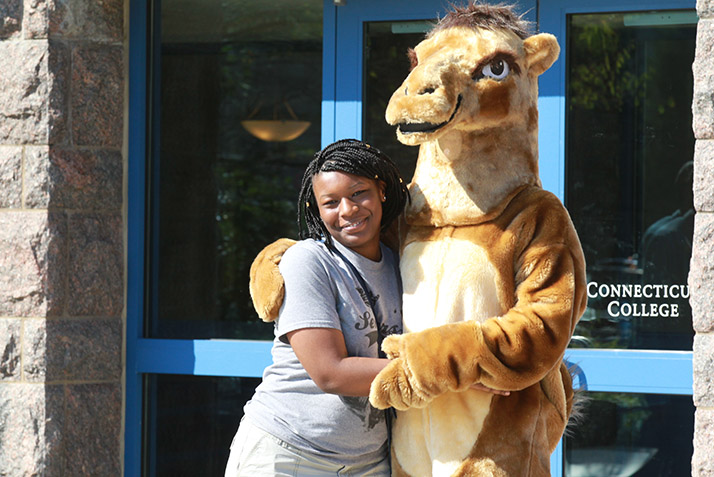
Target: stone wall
{"x": 701, "y": 275}
{"x": 61, "y": 236}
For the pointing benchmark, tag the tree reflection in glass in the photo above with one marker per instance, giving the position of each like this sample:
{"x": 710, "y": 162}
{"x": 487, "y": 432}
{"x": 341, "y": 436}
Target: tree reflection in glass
{"x": 629, "y": 147}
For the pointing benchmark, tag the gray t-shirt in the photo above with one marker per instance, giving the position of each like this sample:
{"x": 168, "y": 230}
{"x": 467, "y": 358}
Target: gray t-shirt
{"x": 322, "y": 292}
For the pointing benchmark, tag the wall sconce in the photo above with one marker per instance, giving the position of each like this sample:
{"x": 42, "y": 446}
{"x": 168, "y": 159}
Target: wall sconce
{"x": 275, "y": 130}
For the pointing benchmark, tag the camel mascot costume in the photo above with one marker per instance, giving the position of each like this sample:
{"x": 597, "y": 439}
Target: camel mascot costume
{"x": 492, "y": 268}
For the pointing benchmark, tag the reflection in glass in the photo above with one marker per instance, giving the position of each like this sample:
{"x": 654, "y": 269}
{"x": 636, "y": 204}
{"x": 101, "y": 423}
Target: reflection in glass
{"x": 629, "y": 174}
{"x": 191, "y": 421}
{"x": 218, "y": 193}
{"x": 631, "y": 435}
{"x": 386, "y": 64}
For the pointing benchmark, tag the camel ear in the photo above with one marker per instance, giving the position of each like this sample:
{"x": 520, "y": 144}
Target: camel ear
{"x": 541, "y": 52}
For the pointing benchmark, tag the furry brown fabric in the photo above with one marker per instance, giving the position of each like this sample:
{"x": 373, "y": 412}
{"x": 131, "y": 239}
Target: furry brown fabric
{"x": 493, "y": 271}
{"x": 266, "y": 284}
{"x": 514, "y": 339}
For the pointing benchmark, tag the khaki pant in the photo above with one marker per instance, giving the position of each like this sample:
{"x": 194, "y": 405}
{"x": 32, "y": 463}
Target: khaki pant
{"x": 255, "y": 453}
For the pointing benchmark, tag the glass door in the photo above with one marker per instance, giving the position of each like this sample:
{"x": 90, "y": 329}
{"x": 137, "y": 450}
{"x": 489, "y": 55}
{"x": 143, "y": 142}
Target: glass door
{"x": 628, "y": 150}
{"x": 616, "y": 146}
{"x": 225, "y": 114}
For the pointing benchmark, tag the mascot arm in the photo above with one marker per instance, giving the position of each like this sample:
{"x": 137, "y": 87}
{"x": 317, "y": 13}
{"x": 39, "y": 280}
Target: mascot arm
{"x": 266, "y": 286}
{"x": 509, "y": 352}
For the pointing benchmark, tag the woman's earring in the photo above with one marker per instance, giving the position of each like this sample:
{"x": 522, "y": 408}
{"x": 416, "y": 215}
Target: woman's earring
{"x": 384, "y": 198}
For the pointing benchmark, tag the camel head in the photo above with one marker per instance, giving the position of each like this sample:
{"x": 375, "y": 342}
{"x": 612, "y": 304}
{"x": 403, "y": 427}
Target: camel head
{"x": 471, "y": 103}
{"x": 476, "y": 70}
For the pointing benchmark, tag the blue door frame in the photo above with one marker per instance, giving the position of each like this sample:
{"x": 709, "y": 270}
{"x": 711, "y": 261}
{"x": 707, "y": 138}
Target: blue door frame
{"x": 659, "y": 372}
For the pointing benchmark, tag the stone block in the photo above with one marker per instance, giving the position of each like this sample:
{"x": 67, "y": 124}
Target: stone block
{"x": 97, "y": 98}
{"x": 10, "y": 344}
{"x": 10, "y": 18}
{"x": 35, "y": 23}
{"x": 704, "y": 175}
{"x": 92, "y": 444}
{"x": 703, "y": 70}
{"x": 72, "y": 349}
{"x": 10, "y": 177}
{"x": 701, "y": 273}
{"x": 96, "y": 265}
{"x": 58, "y": 101}
{"x": 87, "y": 19}
{"x": 703, "y": 458}
{"x": 703, "y": 370}
{"x": 73, "y": 179}
{"x": 32, "y": 92}
{"x": 32, "y": 263}
{"x": 31, "y": 422}
{"x": 705, "y": 8}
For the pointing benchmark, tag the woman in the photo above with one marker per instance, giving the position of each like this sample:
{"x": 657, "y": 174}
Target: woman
{"x": 311, "y": 415}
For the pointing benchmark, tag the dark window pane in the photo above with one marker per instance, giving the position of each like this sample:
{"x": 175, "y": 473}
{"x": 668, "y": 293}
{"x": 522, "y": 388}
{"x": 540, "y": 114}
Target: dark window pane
{"x": 386, "y": 65}
{"x": 219, "y": 193}
{"x": 634, "y": 435}
{"x": 191, "y": 421}
{"x": 629, "y": 174}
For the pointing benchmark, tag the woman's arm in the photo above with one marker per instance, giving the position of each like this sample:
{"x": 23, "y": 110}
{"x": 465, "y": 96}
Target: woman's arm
{"x": 323, "y": 354}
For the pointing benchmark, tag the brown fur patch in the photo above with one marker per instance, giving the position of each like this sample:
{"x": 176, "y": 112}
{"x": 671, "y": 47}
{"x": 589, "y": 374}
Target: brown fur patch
{"x": 266, "y": 286}
{"x": 532, "y": 118}
{"x": 413, "y": 60}
{"x": 494, "y": 101}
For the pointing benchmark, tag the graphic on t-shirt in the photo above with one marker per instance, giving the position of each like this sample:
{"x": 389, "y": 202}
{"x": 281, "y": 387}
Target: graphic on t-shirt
{"x": 360, "y": 407}
{"x": 369, "y": 299}
{"x": 386, "y": 330}
{"x": 366, "y": 322}
{"x": 377, "y": 329}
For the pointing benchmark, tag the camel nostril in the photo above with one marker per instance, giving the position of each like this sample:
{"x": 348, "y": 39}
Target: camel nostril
{"x": 428, "y": 90}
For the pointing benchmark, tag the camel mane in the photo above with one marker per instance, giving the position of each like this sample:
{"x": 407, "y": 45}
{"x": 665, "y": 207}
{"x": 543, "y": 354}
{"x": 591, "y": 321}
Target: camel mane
{"x": 479, "y": 15}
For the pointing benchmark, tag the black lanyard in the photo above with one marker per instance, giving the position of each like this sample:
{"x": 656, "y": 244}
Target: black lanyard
{"x": 369, "y": 297}
{"x": 388, "y": 413}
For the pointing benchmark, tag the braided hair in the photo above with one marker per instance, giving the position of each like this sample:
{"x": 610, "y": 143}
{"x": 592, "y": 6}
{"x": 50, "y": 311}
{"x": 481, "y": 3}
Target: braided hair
{"x": 353, "y": 157}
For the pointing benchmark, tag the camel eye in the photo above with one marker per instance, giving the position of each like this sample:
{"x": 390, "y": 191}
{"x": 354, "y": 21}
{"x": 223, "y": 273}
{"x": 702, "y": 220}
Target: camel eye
{"x": 498, "y": 69}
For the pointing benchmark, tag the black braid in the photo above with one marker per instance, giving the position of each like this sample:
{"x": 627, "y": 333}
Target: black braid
{"x": 353, "y": 157}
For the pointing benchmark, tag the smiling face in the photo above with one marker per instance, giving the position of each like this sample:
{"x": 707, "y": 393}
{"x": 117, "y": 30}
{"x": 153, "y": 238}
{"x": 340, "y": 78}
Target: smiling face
{"x": 466, "y": 79}
{"x": 351, "y": 209}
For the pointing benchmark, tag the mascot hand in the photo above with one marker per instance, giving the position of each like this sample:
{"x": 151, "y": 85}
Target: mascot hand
{"x": 267, "y": 287}
{"x": 427, "y": 364}
{"x": 392, "y": 388}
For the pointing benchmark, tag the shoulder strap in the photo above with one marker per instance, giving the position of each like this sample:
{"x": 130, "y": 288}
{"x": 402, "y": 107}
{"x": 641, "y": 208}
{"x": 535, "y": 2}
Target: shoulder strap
{"x": 388, "y": 413}
{"x": 358, "y": 276}
{"x": 368, "y": 296}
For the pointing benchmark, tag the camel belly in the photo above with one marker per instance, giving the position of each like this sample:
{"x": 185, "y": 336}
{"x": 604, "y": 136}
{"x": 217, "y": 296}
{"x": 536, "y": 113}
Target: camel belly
{"x": 447, "y": 281}
{"x": 435, "y": 440}
{"x": 444, "y": 281}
